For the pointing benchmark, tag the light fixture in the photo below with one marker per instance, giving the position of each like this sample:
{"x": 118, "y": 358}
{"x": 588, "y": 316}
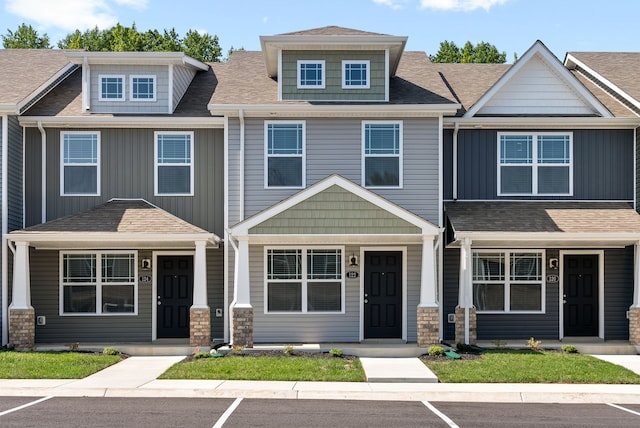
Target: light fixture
{"x": 146, "y": 263}
{"x": 353, "y": 260}
{"x": 553, "y": 263}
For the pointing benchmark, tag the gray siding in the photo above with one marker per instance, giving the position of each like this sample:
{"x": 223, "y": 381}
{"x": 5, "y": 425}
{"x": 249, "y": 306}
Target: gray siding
{"x": 451, "y": 275}
{"x": 127, "y": 171}
{"x": 160, "y": 105}
{"x": 602, "y": 165}
{"x": 215, "y": 290}
{"x": 637, "y": 179}
{"x": 618, "y": 292}
{"x": 182, "y": 77}
{"x": 14, "y": 166}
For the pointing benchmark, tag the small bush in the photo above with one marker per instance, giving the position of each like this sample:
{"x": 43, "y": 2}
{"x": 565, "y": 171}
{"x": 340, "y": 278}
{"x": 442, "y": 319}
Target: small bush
{"x": 436, "y": 350}
{"x": 569, "y": 349}
{"x": 237, "y": 348}
{"x": 110, "y": 351}
{"x": 201, "y": 354}
{"x": 533, "y": 344}
{"x": 335, "y": 352}
{"x": 288, "y": 350}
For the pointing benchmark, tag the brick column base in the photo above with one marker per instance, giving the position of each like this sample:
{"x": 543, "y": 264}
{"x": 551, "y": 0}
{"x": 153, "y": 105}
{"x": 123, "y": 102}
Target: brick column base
{"x": 22, "y": 328}
{"x": 199, "y": 327}
{"x": 634, "y": 326}
{"x": 242, "y": 327}
{"x": 473, "y": 334}
{"x": 428, "y": 326}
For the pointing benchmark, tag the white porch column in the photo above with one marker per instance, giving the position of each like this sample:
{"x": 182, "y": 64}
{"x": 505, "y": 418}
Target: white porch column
{"x": 241, "y": 290}
{"x": 428, "y": 277}
{"x": 21, "y": 296}
{"x": 200, "y": 276}
{"x": 465, "y": 299}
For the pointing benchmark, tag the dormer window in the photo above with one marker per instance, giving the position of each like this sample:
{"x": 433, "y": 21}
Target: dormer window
{"x": 311, "y": 74}
{"x": 143, "y": 88}
{"x": 355, "y": 74}
{"x": 111, "y": 88}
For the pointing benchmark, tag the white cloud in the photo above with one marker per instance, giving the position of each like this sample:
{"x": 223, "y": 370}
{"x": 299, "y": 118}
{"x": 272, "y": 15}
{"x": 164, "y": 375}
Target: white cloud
{"x": 69, "y": 15}
{"x": 393, "y": 4}
{"x": 459, "y": 5}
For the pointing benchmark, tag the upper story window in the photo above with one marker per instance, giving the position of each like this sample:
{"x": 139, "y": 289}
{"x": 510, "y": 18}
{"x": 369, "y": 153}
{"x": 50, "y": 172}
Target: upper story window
{"x": 311, "y": 74}
{"x": 80, "y": 163}
{"x": 111, "y": 88}
{"x": 143, "y": 88}
{"x": 174, "y": 163}
{"x": 355, "y": 74}
{"x": 535, "y": 164}
{"x": 382, "y": 153}
{"x": 284, "y": 154}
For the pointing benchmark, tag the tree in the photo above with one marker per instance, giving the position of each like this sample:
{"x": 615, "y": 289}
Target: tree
{"x": 25, "y": 37}
{"x": 203, "y": 47}
{"x": 482, "y": 52}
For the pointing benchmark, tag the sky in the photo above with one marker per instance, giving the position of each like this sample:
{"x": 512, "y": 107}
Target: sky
{"x": 511, "y": 25}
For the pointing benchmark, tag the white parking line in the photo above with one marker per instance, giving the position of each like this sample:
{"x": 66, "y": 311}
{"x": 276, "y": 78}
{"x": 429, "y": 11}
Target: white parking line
{"x": 441, "y": 415}
{"x": 15, "y": 409}
{"x": 228, "y": 413}
{"x": 624, "y": 408}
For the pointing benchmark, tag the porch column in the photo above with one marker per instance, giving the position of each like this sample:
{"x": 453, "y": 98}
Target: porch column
{"x": 241, "y": 309}
{"x": 22, "y": 317}
{"x": 200, "y": 313}
{"x": 428, "y": 312}
{"x": 634, "y": 309}
{"x": 465, "y": 312}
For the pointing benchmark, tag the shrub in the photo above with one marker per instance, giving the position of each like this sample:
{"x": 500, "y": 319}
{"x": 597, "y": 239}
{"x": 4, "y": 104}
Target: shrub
{"x": 110, "y": 351}
{"x": 237, "y": 348}
{"x": 201, "y": 354}
{"x": 569, "y": 349}
{"x": 436, "y": 350}
{"x": 336, "y": 352}
{"x": 533, "y": 344}
{"x": 288, "y": 350}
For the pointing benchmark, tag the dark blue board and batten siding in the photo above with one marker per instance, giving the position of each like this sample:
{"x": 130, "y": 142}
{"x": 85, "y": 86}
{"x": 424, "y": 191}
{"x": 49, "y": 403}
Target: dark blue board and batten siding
{"x": 618, "y": 292}
{"x": 602, "y": 165}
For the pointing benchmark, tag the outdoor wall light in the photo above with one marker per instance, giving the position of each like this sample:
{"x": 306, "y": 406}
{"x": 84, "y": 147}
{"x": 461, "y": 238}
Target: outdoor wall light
{"x": 353, "y": 260}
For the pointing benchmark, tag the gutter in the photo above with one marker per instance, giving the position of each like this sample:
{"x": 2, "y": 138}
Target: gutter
{"x": 241, "y": 208}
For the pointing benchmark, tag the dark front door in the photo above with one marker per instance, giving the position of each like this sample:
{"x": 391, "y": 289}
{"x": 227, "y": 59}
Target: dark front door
{"x": 175, "y": 295}
{"x": 383, "y": 294}
{"x": 581, "y": 295}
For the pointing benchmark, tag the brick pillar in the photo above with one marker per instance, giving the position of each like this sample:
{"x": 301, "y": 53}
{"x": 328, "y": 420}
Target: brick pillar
{"x": 22, "y": 328}
{"x": 473, "y": 334}
{"x": 428, "y": 326}
{"x": 200, "y": 327}
{"x": 242, "y": 327}
{"x": 634, "y": 326}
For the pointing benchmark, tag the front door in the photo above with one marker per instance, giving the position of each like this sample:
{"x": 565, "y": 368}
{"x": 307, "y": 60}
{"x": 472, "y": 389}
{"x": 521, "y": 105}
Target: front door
{"x": 175, "y": 295}
{"x": 580, "y": 296}
{"x": 383, "y": 294}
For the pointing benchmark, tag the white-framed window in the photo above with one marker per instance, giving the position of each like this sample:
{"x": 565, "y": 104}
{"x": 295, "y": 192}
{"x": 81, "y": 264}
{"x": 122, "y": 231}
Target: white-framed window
{"x": 98, "y": 283}
{"x": 111, "y": 87}
{"x": 79, "y": 163}
{"x": 304, "y": 280}
{"x": 311, "y": 74}
{"x": 535, "y": 163}
{"x": 355, "y": 74}
{"x": 382, "y": 154}
{"x": 509, "y": 281}
{"x": 173, "y": 153}
{"x": 143, "y": 87}
{"x": 284, "y": 154}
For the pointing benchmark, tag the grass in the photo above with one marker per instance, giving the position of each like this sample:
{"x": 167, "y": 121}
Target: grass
{"x": 298, "y": 368}
{"x": 526, "y": 366}
{"x": 52, "y": 365}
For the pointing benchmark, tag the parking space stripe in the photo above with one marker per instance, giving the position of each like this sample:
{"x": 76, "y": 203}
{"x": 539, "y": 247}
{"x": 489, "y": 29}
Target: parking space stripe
{"x": 624, "y": 408}
{"x": 441, "y": 415}
{"x": 228, "y": 413}
{"x": 15, "y": 409}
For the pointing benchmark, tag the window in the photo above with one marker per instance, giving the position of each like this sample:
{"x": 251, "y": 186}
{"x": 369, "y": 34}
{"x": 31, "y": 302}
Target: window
{"x": 111, "y": 88}
{"x": 382, "y": 147}
{"x": 284, "y": 154}
{"x": 505, "y": 281}
{"x": 310, "y": 74}
{"x": 304, "y": 280}
{"x": 535, "y": 164}
{"x": 143, "y": 88}
{"x": 355, "y": 74}
{"x": 80, "y": 160}
{"x": 174, "y": 163}
{"x": 101, "y": 283}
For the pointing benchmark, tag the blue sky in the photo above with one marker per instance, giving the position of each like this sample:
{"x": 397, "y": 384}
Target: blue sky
{"x": 511, "y": 25}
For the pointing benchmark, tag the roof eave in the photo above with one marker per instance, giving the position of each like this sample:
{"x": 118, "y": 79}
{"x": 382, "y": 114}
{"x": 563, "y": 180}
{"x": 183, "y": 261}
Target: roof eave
{"x": 122, "y": 238}
{"x": 542, "y": 122}
{"x": 510, "y": 238}
{"x": 135, "y": 58}
{"x": 122, "y": 121}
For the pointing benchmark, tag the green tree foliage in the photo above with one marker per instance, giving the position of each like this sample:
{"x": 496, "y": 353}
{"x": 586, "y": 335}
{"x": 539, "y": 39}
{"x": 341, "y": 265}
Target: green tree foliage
{"x": 25, "y": 37}
{"x": 202, "y": 46}
{"x": 482, "y": 52}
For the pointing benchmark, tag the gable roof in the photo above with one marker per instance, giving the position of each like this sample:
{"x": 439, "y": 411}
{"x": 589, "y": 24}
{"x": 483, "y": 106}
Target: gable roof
{"x": 332, "y": 30}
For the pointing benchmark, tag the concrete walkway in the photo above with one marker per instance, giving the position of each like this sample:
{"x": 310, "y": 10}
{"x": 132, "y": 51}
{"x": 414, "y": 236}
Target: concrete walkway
{"x": 397, "y": 370}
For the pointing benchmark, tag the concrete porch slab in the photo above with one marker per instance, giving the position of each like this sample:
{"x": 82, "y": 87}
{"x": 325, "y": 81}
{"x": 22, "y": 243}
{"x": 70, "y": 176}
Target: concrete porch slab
{"x": 404, "y": 370}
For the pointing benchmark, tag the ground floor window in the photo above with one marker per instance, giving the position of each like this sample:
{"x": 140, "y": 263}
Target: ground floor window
{"x": 98, "y": 283}
{"x": 304, "y": 280}
{"x": 508, "y": 281}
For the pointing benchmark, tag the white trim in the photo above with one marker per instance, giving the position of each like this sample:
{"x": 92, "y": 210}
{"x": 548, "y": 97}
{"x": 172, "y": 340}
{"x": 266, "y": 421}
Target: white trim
{"x": 154, "y": 79}
{"x": 134, "y": 58}
{"x": 169, "y": 90}
{"x": 112, "y": 76}
{"x": 122, "y": 122}
{"x": 226, "y": 236}
{"x": 4, "y": 185}
{"x": 365, "y": 62}
{"x": 387, "y": 77}
{"x": 96, "y": 164}
{"x": 323, "y": 69}
{"x": 191, "y": 163}
{"x": 302, "y": 155}
{"x": 400, "y": 154}
{"x": 373, "y": 109}
{"x": 279, "y": 80}
{"x": 600, "y": 254}
{"x": 535, "y": 122}
{"x": 403, "y": 250}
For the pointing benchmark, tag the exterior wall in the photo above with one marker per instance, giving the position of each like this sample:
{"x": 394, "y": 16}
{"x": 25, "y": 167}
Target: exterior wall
{"x": 451, "y": 275}
{"x": 2, "y": 303}
{"x": 182, "y": 77}
{"x": 618, "y": 292}
{"x": 333, "y": 76}
{"x": 160, "y": 105}
{"x": 637, "y": 131}
{"x": 14, "y": 165}
{"x": 127, "y": 171}
{"x": 602, "y": 165}
{"x": 215, "y": 291}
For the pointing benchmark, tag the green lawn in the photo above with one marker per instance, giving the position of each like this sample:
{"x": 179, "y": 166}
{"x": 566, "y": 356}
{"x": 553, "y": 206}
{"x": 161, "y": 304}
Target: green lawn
{"x": 52, "y": 365}
{"x": 299, "y": 368}
{"x": 525, "y": 366}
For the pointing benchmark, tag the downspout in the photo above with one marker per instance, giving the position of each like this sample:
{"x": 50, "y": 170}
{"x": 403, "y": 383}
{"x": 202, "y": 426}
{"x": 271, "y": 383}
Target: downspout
{"x": 5, "y": 228}
{"x": 241, "y": 196}
{"x": 235, "y": 291}
{"x": 43, "y": 178}
{"x": 455, "y": 161}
